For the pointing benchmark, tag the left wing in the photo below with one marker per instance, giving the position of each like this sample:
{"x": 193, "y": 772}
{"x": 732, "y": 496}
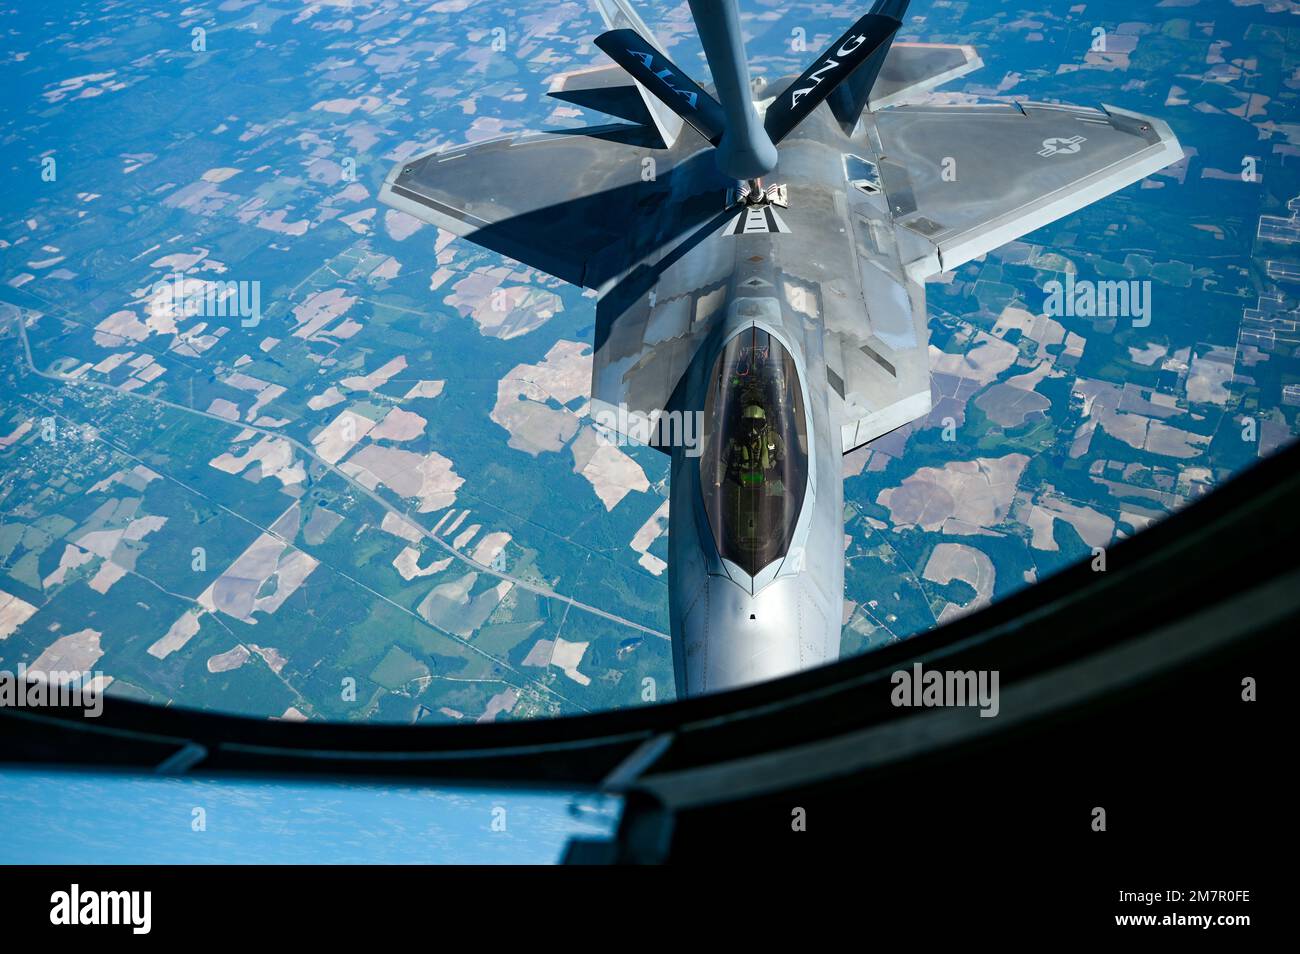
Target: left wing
{"x": 971, "y": 178}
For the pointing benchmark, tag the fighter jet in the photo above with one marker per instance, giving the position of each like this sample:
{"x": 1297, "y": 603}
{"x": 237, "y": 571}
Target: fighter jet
{"x": 759, "y": 254}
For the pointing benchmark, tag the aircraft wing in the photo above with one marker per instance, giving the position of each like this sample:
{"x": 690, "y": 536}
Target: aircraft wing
{"x": 969, "y": 179}
{"x": 651, "y": 323}
{"x": 876, "y": 338}
{"x": 880, "y": 368}
{"x": 555, "y": 201}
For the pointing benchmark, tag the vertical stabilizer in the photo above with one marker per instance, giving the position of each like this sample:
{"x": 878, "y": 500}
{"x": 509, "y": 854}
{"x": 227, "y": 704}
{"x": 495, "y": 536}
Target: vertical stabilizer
{"x": 850, "y": 98}
{"x": 619, "y": 15}
{"x": 844, "y": 73}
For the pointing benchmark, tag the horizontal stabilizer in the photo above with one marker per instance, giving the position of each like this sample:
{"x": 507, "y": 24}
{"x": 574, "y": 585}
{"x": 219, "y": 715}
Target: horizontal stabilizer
{"x": 872, "y": 33}
{"x": 913, "y": 69}
{"x": 654, "y": 71}
{"x": 606, "y": 89}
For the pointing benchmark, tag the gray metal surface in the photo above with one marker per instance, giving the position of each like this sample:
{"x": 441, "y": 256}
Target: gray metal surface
{"x": 871, "y": 212}
{"x": 912, "y": 69}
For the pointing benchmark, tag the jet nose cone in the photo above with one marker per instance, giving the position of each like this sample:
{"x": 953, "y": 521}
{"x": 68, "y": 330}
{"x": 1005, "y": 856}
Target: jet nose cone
{"x": 733, "y": 639}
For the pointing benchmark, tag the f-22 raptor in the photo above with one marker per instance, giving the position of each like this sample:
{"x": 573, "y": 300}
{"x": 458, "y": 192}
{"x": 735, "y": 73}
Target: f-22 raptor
{"x": 759, "y": 255}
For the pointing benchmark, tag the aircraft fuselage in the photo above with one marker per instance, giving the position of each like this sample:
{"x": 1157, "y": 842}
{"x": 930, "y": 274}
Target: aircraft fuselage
{"x": 756, "y": 536}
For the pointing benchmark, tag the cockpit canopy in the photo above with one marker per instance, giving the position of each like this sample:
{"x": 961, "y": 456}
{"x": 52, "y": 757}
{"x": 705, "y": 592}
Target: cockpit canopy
{"x": 754, "y": 467}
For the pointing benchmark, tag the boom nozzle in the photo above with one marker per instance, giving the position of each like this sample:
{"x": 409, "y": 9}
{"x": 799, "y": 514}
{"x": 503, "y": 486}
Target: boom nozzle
{"x": 746, "y": 147}
{"x": 745, "y": 150}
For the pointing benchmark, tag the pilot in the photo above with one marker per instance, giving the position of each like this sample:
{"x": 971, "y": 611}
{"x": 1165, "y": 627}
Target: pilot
{"x": 752, "y": 455}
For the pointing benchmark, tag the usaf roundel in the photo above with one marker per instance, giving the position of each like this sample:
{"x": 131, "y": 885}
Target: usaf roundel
{"x": 1058, "y": 146}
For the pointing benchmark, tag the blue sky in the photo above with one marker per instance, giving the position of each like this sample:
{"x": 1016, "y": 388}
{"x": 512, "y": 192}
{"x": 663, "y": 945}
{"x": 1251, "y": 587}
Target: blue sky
{"x": 90, "y": 818}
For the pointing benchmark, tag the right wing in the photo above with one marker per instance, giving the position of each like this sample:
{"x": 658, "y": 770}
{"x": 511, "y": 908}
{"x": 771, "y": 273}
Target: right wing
{"x": 556, "y": 201}
{"x": 560, "y": 201}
